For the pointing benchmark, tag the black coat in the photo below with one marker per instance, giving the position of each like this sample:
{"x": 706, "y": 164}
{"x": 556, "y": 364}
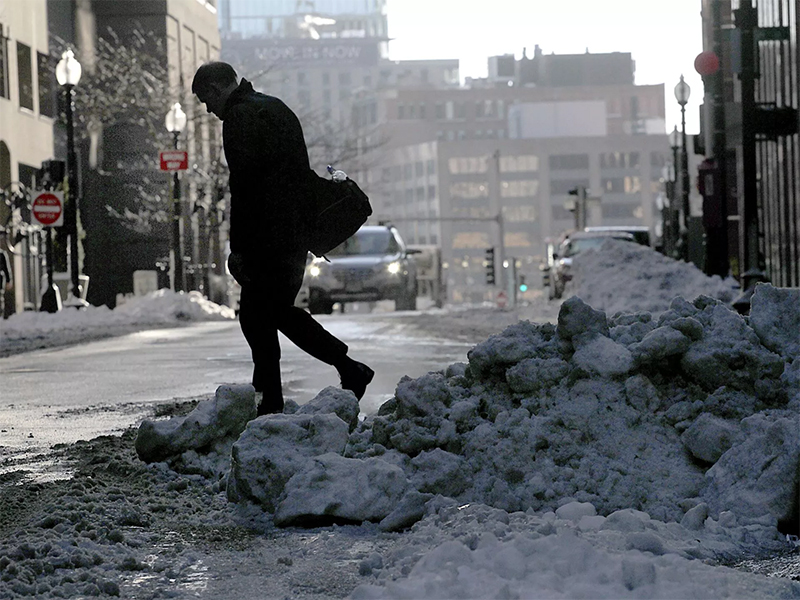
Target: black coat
{"x": 270, "y": 177}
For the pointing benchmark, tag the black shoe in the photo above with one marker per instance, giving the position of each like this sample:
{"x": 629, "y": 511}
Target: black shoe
{"x": 356, "y": 377}
{"x": 267, "y": 408}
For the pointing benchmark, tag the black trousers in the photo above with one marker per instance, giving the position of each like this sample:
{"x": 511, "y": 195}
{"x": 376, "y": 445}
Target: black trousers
{"x": 266, "y": 306}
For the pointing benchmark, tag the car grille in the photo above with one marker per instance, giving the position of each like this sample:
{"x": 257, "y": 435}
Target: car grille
{"x": 352, "y": 275}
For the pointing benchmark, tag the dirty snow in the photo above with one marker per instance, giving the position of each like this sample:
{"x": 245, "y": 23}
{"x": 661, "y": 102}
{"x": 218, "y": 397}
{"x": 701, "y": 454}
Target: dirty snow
{"x": 607, "y": 456}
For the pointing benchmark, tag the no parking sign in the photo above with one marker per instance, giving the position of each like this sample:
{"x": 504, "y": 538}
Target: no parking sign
{"x": 47, "y": 209}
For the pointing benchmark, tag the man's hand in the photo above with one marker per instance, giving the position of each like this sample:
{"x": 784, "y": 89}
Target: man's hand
{"x": 236, "y": 267}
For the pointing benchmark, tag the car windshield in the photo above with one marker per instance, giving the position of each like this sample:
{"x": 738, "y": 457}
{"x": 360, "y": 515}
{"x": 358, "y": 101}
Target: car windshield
{"x": 577, "y": 246}
{"x": 376, "y": 243}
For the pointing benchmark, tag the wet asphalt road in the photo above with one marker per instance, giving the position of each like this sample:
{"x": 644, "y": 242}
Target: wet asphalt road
{"x": 63, "y": 395}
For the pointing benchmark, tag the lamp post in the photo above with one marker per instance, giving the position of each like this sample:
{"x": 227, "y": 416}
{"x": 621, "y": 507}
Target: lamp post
{"x": 673, "y": 226}
{"x": 68, "y": 74}
{"x": 682, "y": 91}
{"x": 175, "y": 121}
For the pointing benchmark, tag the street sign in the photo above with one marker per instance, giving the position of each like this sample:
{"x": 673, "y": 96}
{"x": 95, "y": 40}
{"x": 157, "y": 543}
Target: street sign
{"x": 502, "y": 299}
{"x": 47, "y": 209}
{"x": 174, "y": 160}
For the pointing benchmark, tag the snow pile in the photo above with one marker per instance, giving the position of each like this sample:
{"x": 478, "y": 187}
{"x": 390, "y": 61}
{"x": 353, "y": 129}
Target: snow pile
{"x": 167, "y": 306}
{"x": 626, "y": 277}
{"x": 22, "y": 331}
{"x": 484, "y": 552}
{"x": 632, "y": 445}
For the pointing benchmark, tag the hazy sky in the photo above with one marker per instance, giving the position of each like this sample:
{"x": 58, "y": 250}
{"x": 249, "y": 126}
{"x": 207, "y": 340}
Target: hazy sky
{"x": 664, "y": 36}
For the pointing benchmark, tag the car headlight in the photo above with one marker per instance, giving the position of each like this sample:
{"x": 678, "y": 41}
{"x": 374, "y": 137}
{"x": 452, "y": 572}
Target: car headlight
{"x": 314, "y": 270}
{"x": 394, "y": 267}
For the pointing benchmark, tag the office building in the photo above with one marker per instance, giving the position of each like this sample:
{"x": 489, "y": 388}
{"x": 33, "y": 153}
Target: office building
{"x": 27, "y": 113}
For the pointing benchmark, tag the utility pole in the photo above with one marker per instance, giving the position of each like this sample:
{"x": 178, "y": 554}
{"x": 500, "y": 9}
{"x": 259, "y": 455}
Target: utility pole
{"x": 580, "y": 206}
{"x": 746, "y": 19}
{"x": 496, "y": 197}
{"x": 717, "y": 261}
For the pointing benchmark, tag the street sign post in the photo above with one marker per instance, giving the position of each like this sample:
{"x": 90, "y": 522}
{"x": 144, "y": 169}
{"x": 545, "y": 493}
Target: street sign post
{"x": 174, "y": 160}
{"x": 47, "y": 209}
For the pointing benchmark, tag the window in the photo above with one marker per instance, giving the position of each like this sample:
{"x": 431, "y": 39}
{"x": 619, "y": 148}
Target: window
{"x": 430, "y": 166}
{"x": 440, "y": 111}
{"x": 484, "y": 108}
{"x": 519, "y": 164}
{"x": 419, "y": 168}
{"x": 622, "y": 185}
{"x": 563, "y": 186}
{"x": 304, "y": 98}
{"x": 569, "y": 161}
{"x": 47, "y": 84}
{"x": 25, "y": 76}
{"x": 619, "y": 160}
{"x": 657, "y": 159}
{"x": 4, "y": 92}
{"x": 519, "y": 189}
{"x": 344, "y": 78}
{"x": 467, "y": 164}
{"x": 519, "y": 214}
{"x": 469, "y": 189}
{"x": 431, "y": 192}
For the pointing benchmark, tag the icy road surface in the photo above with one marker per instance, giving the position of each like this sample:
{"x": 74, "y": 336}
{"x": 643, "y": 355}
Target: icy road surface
{"x": 67, "y": 394}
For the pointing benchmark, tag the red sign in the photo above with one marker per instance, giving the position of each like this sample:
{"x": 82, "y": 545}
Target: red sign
{"x": 174, "y": 160}
{"x": 502, "y": 300}
{"x": 48, "y": 209}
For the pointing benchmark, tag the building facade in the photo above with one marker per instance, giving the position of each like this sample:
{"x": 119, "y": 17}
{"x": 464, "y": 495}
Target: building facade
{"x": 126, "y": 208}
{"x": 27, "y": 113}
{"x": 461, "y": 164}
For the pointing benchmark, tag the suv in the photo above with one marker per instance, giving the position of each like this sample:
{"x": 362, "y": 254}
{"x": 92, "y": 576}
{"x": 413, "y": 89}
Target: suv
{"x": 374, "y": 264}
{"x": 575, "y": 243}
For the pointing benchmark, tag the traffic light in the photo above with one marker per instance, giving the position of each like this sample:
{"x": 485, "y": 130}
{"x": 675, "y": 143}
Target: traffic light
{"x": 523, "y": 287}
{"x": 489, "y": 263}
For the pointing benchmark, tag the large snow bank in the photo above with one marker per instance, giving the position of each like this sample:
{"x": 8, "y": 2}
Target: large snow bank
{"x": 632, "y": 444}
{"x": 626, "y": 277}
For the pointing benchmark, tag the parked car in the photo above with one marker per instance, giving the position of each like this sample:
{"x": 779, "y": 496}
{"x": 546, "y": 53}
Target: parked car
{"x": 640, "y": 233}
{"x": 574, "y": 244}
{"x": 374, "y": 264}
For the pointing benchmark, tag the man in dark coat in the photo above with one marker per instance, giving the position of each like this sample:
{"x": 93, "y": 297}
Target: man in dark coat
{"x": 270, "y": 184}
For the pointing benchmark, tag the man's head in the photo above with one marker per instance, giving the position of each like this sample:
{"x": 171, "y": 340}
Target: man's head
{"x": 212, "y": 84}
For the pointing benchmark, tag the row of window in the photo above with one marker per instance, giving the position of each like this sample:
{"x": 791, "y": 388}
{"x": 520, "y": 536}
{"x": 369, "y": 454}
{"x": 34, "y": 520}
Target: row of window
{"x": 511, "y": 214}
{"x": 408, "y": 195}
{"x": 450, "y": 110}
{"x": 44, "y": 71}
{"x": 464, "y": 240}
{"x": 478, "y": 134}
{"x": 524, "y": 163}
{"x": 408, "y": 171}
{"x": 610, "y": 210}
{"x": 631, "y": 184}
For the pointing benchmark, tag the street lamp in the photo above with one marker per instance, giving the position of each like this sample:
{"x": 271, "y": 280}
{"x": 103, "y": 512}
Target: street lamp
{"x": 673, "y": 231}
{"x": 68, "y": 74}
{"x": 175, "y": 121}
{"x": 682, "y": 91}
